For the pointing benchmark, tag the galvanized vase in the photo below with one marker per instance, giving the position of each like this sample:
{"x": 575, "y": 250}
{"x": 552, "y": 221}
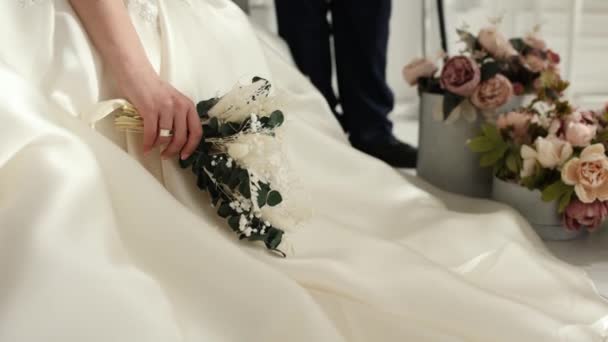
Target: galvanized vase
{"x": 542, "y": 216}
{"x": 444, "y": 160}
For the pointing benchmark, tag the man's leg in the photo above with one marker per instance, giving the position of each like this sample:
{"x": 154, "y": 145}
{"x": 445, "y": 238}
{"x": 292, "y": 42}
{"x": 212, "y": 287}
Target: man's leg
{"x": 304, "y": 26}
{"x": 361, "y": 31}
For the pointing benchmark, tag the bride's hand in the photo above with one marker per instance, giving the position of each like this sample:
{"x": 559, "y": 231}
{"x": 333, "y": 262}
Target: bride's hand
{"x": 162, "y": 107}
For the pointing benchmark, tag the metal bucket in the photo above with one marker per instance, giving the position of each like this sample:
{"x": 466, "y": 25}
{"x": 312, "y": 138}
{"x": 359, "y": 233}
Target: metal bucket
{"x": 444, "y": 159}
{"x": 542, "y": 216}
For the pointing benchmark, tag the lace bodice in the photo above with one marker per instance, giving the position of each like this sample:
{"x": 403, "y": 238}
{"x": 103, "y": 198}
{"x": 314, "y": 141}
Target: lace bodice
{"x": 146, "y": 9}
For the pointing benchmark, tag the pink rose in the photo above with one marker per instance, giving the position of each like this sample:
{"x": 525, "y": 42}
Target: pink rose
{"x": 536, "y": 42}
{"x": 588, "y": 174}
{"x": 460, "y": 75}
{"x": 492, "y": 93}
{"x": 518, "y": 89}
{"x": 553, "y": 57}
{"x": 580, "y": 128}
{"x": 418, "y": 68}
{"x": 535, "y": 63}
{"x": 517, "y": 123}
{"x": 495, "y": 43}
{"x": 579, "y": 215}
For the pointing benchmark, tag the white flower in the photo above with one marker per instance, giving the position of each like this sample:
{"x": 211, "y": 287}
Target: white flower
{"x": 551, "y": 153}
{"x": 237, "y": 151}
{"x": 241, "y": 101}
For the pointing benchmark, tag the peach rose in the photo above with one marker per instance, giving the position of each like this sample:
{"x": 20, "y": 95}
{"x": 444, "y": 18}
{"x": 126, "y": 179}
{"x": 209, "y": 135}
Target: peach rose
{"x": 579, "y": 215}
{"x": 460, "y": 75}
{"x": 534, "y": 41}
{"x": 535, "y": 63}
{"x": 551, "y": 153}
{"x": 492, "y": 93}
{"x": 418, "y": 68}
{"x": 588, "y": 174}
{"x": 518, "y": 124}
{"x": 580, "y": 128}
{"x": 495, "y": 43}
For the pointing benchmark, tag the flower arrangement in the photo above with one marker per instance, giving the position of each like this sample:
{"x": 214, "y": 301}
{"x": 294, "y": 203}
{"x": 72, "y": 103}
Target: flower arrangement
{"x": 238, "y": 160}
{"x": 489, "y": 71}
{"x": 555, "y": 148}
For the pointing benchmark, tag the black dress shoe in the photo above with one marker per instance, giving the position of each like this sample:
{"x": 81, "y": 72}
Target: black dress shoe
{"x": 392, "y": 151}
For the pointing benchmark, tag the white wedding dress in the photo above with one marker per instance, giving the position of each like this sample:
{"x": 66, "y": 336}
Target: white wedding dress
{"x": 101, "y": 245}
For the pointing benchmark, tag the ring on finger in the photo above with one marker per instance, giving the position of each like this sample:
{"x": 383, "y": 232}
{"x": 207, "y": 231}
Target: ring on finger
{"x": 165, "y": 132}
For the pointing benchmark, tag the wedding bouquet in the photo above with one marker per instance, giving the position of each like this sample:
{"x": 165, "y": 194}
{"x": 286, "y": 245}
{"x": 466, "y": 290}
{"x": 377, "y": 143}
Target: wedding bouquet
{"x": 238, "y": 161}
{"x": 489, "y": 71}
{"x": 554, "y": 148}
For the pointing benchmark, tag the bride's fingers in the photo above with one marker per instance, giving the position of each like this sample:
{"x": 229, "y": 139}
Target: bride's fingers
{"x": 165, "y": 129}
{"x": 179, "y": 135}
{"x": 195, "y": 133}
{"x": 150, "y": 130}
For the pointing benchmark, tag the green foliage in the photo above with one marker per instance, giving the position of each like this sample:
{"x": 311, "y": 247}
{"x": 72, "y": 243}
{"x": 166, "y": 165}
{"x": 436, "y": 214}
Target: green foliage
{"x": 274, "y": 198}
{"x": 219, "y": 177}
{"x": 490, "y": 158}
{"x": 203, "y": 107}
{"x": 491, "y": 145}
{"x": 558, "y": 191}
{"x": 565, "y": 200}
{"x": 601, "y": 137}
{"x": 276, "y": 119}
{"x": 481, "y": 144}
{"x": 519, "y": 44}
{"x": 489, "y": 70}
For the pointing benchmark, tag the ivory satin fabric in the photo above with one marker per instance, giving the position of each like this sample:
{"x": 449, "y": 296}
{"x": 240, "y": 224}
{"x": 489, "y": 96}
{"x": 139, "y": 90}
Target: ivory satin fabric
{"x": 99, "y": 243}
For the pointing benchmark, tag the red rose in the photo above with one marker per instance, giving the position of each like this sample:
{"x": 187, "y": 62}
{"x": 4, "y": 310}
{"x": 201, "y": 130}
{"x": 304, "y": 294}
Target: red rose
{"x": 518, "y": 89}
{"x": 553, "y": 57}
{"x": 460, "y": 75}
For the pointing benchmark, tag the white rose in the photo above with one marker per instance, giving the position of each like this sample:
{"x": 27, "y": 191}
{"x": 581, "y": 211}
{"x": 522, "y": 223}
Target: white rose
{"x": 551, "y": 153}
{"x": 238, "y": 151}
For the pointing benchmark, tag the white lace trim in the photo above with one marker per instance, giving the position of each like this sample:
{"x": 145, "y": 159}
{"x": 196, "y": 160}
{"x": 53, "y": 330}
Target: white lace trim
{"x": 28, "y": 3}
{"x": 146, "y": 9}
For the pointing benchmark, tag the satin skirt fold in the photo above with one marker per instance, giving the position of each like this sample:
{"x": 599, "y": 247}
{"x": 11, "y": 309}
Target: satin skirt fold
{"x": 101, "y": 243}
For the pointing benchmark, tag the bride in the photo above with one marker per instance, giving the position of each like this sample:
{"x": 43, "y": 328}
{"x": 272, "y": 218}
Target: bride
{"x": 102, "y": 238}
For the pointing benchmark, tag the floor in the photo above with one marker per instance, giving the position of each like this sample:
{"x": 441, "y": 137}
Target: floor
{"x": 590, "y": 253}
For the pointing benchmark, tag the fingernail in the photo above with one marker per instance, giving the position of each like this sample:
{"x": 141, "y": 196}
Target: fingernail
{"x": 184, "y": 156}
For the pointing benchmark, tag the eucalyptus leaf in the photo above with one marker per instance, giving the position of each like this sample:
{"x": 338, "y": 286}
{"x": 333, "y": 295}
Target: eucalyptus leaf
{"x": 565, "y": 200}
{"x": 224, "y": 210}
{"x": 511, "y": 163}
{"x": 481, "y": 144}
{"x": 263, "y": 196}
{"x": 227, "y": 130}
{"x": 274, "y": 239}
{"x": 186, "y": 163}
{"x": 518, "y": 44}
{"x": 555, "y": 191}
{"x": 490, "y": 158}
{"x": 274, "y": 198}
{"x": 245, "y": 189}
{"x": 276, "y": 119}
{"x": 233, "y": 222}
{"x": 489, "y": 70}
{"x": 203, "y": 107}
{"x": 492, "y": 133}
{"x": 202, "y": 181}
